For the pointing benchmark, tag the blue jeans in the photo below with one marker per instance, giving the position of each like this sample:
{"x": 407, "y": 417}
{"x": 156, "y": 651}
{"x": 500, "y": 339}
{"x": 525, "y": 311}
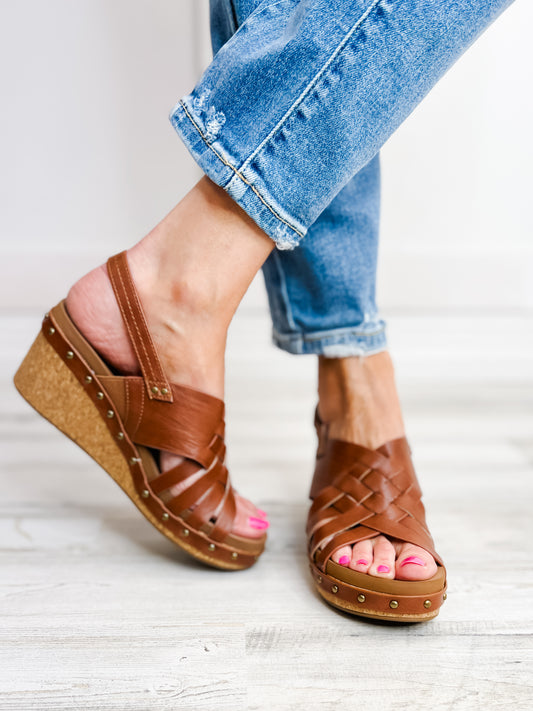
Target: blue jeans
{"x": 289, "y": 118}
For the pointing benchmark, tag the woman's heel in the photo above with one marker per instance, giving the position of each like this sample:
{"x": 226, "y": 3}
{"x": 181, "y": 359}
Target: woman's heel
{"x": 48, "y": 385}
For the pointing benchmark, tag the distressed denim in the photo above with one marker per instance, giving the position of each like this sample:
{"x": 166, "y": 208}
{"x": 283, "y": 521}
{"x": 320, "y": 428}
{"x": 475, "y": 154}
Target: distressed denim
{"x": 289, "y": 118}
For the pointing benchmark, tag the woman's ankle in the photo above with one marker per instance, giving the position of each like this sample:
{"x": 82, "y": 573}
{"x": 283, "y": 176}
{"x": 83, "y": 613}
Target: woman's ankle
{"x": 190, "y": 340}
{"x": 358, "y": 397}
{"x": 191, "y": 272}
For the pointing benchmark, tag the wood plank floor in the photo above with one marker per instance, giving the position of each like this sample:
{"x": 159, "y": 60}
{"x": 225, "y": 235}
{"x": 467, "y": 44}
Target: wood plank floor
{"x": 99, "y": 612}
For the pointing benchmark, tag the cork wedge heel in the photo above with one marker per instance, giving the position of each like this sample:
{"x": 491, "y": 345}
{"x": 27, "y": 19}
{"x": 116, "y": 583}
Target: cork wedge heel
{"x": 48, "y": 385}
{"x": 357, "y": 494}
{"x": 123, "y": 421}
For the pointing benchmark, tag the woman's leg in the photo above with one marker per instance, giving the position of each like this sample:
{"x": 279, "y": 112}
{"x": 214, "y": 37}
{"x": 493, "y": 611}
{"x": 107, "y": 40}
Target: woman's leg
{"x": 191, "y": 272}
{"x": 322, "y": 300}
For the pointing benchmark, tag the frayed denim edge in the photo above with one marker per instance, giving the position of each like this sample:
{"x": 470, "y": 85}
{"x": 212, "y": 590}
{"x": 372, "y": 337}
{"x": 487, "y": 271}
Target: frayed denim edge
{"x": 337, "y": 343}
{"x": 221, "y": 171}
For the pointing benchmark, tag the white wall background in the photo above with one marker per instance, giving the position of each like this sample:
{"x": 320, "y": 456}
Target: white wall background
{"x": 90, "y": 162}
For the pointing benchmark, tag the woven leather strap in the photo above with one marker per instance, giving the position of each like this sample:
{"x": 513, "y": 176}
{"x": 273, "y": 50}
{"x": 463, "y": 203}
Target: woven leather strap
{"x": 359, "y": 493}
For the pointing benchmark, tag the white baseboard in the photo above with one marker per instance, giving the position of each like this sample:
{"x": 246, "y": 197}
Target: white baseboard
{"x": 408, "y": 278}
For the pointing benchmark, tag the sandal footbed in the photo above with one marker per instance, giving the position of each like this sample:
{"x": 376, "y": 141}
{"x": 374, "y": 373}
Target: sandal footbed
{"x": 384, "y": 585}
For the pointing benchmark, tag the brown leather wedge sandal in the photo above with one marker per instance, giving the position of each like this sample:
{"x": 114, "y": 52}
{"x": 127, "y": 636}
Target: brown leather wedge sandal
{"x": 359, "y": 493}
{"x": 122, "y": 422}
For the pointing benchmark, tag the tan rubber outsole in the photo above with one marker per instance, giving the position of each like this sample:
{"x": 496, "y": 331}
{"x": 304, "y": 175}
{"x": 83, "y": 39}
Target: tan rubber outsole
{"x": 49, "y": 386}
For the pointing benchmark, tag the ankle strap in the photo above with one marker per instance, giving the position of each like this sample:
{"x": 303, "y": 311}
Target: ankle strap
{"x": 157, "y": 385}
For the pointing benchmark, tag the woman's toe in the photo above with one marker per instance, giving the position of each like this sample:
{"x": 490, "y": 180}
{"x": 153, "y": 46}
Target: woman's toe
{"x": 382, "y": 565}
{"x": 252, "y": 510}
{"x": 414, "y": 563}
{"x": 342, "y": 556}
{"x": 362, "y": 556}
{"x": 247, "y": 523}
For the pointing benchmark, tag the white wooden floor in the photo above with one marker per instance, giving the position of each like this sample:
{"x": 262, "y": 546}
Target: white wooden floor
{"x": 99, "y": 612}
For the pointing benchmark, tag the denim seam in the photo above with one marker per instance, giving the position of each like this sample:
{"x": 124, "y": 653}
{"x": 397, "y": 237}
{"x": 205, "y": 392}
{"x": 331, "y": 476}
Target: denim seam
{"x": 237, "y": 172}
{"x": 283, "y": 291}
{"x": 331, "y": 350}
{"x": 320, "y": 335}
{"x": 312, "y": 83}
{"x": 232, "y": 17}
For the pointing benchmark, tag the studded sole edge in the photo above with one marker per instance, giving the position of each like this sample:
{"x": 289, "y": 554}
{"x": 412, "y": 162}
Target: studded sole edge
{"x": 360, "y": 611}
{"x": 48, "y": 385}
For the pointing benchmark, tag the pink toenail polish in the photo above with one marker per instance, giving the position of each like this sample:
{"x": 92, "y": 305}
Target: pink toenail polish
{"x": 383, "y": 568}
{"x": 362, "y": 561}
{"x": 258, "y": 523}
{"x": 344, "y": 560}
{"x": 262, "y": 513}
{"x": 413, "y": 559}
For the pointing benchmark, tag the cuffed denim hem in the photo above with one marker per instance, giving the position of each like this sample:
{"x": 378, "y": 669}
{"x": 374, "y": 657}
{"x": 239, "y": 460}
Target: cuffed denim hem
{"x": 219, "y": 166}
{"x": 337, "y": 343}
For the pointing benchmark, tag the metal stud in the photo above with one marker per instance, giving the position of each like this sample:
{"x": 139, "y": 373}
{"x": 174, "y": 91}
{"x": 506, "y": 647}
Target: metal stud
{"x": 334, "y": 589}
{"x": 234, "y": 554}
{"x": 51, "y": 330}
{"x": 100, "y": 396}
{"x": 394, "y": 604}
{"x": 211, "y": 546}
{"x": 110, "y": 414}
{"x": 427, "y": 604}
{"x": 319, "y": 579}
{"x": 70, "y": 355}
{"x": 445, "y": 596}
{"x": 120, "y": 436}
{"x": 165, "y": 516}
{"x": 134, "y": 460}
{"x": 361, "y": 598}
{"x": 46, "y": 315}
{"x": 88, "y": 379}
{"x": 155, "y": 390}
{"x": 164, "y": 391}
{"x": 145, "y": 493}
{"x": 186, "y": 531}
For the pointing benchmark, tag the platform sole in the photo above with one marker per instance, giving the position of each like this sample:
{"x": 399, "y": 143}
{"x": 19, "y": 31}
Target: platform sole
{"x": 380, "y": 598}
{"x": 361, "y": 611}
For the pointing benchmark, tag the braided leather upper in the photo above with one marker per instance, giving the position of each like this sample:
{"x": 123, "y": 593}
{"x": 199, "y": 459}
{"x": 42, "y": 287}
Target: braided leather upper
{"x": 359, "y": 493}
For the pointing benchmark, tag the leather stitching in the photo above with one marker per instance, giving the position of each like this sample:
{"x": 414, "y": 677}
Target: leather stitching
{"x": 141, "y": 411}
{"x": 141, "y": 339}
{"x": 127, "y": 389}
{"x": 148, "y": 364}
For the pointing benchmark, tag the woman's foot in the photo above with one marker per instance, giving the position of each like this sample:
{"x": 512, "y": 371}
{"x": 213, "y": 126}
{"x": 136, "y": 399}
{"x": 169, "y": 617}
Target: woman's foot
{"x": 358, "y": 397}
{"x": 191, "y": 272}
